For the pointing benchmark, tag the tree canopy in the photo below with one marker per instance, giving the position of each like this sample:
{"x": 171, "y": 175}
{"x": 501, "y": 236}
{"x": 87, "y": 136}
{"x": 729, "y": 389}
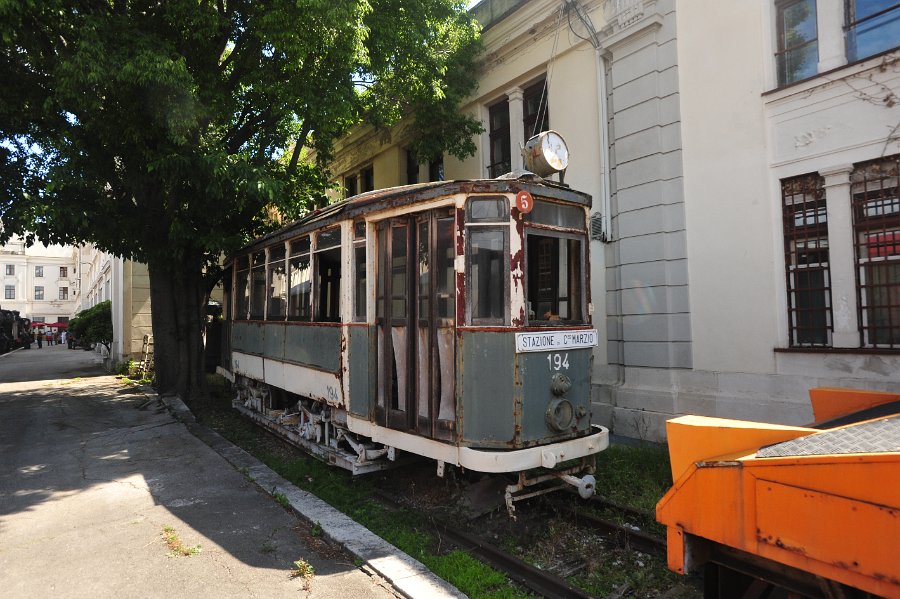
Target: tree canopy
{"x": 165, "y": 132}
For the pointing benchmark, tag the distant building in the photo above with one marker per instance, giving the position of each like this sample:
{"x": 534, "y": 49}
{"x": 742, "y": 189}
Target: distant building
{"x": 37, "y": 281}
{"x": 126, "y": 284}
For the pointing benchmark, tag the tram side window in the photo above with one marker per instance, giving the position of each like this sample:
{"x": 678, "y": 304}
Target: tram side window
{"x": 555, "y": 278}
{"x": 488, "y": 259}
{"x": 242, "y": 288}
{"x": 277, "y": 285}
{"x": 328, "y": 276}
{"x": 445, "y": 283}
{"x": 359, "y": 271}
{"x": 299, "y": 280}
{"x": 258, "y": 286}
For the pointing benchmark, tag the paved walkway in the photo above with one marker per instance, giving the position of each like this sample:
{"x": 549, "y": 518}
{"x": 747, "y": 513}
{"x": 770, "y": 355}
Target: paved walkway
{"x": 92, "y": 473}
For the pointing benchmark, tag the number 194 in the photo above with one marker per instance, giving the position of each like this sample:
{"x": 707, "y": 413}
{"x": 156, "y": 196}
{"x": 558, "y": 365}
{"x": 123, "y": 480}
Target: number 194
{"x": 558, "y": 361}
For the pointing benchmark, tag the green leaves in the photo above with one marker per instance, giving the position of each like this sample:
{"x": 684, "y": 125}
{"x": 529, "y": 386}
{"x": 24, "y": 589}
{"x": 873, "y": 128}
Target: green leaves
{"x": 164, "y": 131}
{"x": 93, "y": 325}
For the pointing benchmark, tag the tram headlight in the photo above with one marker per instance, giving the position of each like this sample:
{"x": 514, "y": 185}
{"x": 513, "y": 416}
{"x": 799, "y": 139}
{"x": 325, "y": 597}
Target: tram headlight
{"x": 546, "y": 154}
{"x": 560, "y": 415}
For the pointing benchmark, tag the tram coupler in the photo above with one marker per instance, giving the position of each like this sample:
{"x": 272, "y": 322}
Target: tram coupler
{"x": 586, "y": 485}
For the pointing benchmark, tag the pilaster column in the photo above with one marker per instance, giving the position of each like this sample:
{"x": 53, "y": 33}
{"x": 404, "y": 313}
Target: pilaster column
{"x": 516, "y": 127}
{"x": 830, "y": 25}
{"x": 841, "y": 257}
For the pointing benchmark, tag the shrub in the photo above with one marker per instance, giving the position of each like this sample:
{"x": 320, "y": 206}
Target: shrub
{"x": 94, "y": 325}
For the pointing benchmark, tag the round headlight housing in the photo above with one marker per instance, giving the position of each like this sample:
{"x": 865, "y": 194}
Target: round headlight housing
{"x": 560, "y": 415}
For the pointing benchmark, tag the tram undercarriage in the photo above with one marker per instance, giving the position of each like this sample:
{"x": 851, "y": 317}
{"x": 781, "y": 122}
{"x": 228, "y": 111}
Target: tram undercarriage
{"x": 324, "y": 431}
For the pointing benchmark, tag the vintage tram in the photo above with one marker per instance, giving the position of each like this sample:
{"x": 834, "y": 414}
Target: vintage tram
{"x": 450, "y": 320}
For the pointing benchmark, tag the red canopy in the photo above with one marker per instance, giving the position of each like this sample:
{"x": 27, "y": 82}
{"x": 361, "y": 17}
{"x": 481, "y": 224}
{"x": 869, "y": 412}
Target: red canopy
{"x": 59, "y": 325}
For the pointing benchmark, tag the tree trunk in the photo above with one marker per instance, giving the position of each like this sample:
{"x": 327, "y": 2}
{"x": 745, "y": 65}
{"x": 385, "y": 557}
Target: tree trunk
{"x": 178, "y": 301}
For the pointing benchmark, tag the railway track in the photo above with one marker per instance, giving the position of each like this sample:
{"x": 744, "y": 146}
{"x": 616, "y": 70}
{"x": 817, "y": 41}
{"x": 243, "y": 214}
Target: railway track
{"x": 541, "y": 582}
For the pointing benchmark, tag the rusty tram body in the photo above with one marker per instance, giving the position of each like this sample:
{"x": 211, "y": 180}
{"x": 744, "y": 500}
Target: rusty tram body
{"x": 450, "y": 320}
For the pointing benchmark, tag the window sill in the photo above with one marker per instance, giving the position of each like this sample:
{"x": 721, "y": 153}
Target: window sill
{"x": 839, "y": 350}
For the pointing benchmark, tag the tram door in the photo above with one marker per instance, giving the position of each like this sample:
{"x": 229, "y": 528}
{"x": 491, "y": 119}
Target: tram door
{"x": 415, "y": 321}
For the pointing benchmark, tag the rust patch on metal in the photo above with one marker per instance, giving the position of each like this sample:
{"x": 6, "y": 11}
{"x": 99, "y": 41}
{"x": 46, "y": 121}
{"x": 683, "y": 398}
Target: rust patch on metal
{"x": 777, "y": 542}
{"x": 460, "y": 275}
{"x": 517, "y": 265}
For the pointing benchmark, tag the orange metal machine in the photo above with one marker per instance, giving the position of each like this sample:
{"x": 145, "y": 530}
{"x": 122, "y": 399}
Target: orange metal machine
{"x": 813, "y": 511}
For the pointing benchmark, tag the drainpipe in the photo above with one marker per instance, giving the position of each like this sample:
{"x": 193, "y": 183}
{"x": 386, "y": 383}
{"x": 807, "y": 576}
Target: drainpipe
{"x": 605, "y": 193}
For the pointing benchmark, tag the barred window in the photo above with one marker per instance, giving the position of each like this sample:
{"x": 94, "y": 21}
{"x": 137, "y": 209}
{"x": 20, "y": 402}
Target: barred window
{"x": 806, "y": 261}
{"x": 876, "y": 224}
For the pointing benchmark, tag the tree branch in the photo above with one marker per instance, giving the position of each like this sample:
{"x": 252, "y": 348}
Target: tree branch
{"x": 245, "y": 132}
{"x": 298, "y": 147}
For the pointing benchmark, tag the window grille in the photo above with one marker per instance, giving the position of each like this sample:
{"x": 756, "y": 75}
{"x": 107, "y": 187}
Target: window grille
{"x": 876, "y": 224}
{"x": 806, "y": 261}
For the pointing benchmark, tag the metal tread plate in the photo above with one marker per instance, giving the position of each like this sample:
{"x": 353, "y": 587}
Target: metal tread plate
{"x": 874, "y": 436}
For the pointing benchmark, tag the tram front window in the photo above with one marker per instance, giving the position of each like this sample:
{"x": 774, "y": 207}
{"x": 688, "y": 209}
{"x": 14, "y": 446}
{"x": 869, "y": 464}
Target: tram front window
{"x": 487, "y": 275}
{"x": 555, "y": 278}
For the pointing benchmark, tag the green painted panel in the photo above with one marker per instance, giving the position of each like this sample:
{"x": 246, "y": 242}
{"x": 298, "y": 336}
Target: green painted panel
{"x": 247, "y": 338}
{"x": 362, "y": 372}
{"x": 273, "y": 336}
{"x": 536, "y": 374}
{"x": 486, "y": 379}
{"x": 317, "y": 346}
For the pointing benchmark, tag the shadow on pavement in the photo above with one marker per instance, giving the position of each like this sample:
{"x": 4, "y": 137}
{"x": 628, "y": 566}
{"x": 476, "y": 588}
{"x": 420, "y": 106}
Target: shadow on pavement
{"x": 89, "y": 466}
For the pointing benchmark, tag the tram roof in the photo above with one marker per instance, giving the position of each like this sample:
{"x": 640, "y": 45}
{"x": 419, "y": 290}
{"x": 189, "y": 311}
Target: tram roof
{"x": 393, "y": 197}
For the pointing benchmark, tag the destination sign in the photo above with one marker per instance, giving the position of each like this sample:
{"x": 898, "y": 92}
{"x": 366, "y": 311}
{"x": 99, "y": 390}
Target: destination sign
{"x": 555, "y": 340}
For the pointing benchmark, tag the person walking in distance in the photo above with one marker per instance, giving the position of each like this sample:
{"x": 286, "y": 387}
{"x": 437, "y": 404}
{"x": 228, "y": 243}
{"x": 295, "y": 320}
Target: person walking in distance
{"x": 40, "y": 339}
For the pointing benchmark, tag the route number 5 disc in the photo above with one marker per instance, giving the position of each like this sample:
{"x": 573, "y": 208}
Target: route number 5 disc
{"x": 524, "y": 202}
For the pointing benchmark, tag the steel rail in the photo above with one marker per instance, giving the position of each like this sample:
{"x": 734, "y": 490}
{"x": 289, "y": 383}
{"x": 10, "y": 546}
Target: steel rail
{"x": 635, "y": 538}
{"x": 541, "y": 582}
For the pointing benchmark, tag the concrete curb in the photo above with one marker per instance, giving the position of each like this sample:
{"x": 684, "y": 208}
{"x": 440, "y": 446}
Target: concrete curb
{"x": 408, "y": 576}
{"x": 9, "y": 353}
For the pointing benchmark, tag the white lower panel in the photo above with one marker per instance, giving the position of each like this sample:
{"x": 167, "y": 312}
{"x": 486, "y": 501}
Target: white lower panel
{"x": 481, "y": 460}
{"x": 308, "y": 382}
{"x": 247, "y": 365}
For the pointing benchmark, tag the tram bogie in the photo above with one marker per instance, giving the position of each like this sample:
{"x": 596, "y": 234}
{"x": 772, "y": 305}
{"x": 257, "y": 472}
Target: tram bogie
{"x": 448, "y": 320}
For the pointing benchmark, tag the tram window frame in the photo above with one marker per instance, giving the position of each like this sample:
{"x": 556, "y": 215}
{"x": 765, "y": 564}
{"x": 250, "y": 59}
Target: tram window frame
{"x": 242, "y": 297}
{"x": 477, "y": 224}
{"x": 333, "y": 254}
{"x": 271, "y": 296}
{"x": 360, "y": 288}
{"x": 564, "y": 222}
{"x": 258, "y": 285}
{"x": 535, "y": 317}
{"x": 300, "y": 310}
